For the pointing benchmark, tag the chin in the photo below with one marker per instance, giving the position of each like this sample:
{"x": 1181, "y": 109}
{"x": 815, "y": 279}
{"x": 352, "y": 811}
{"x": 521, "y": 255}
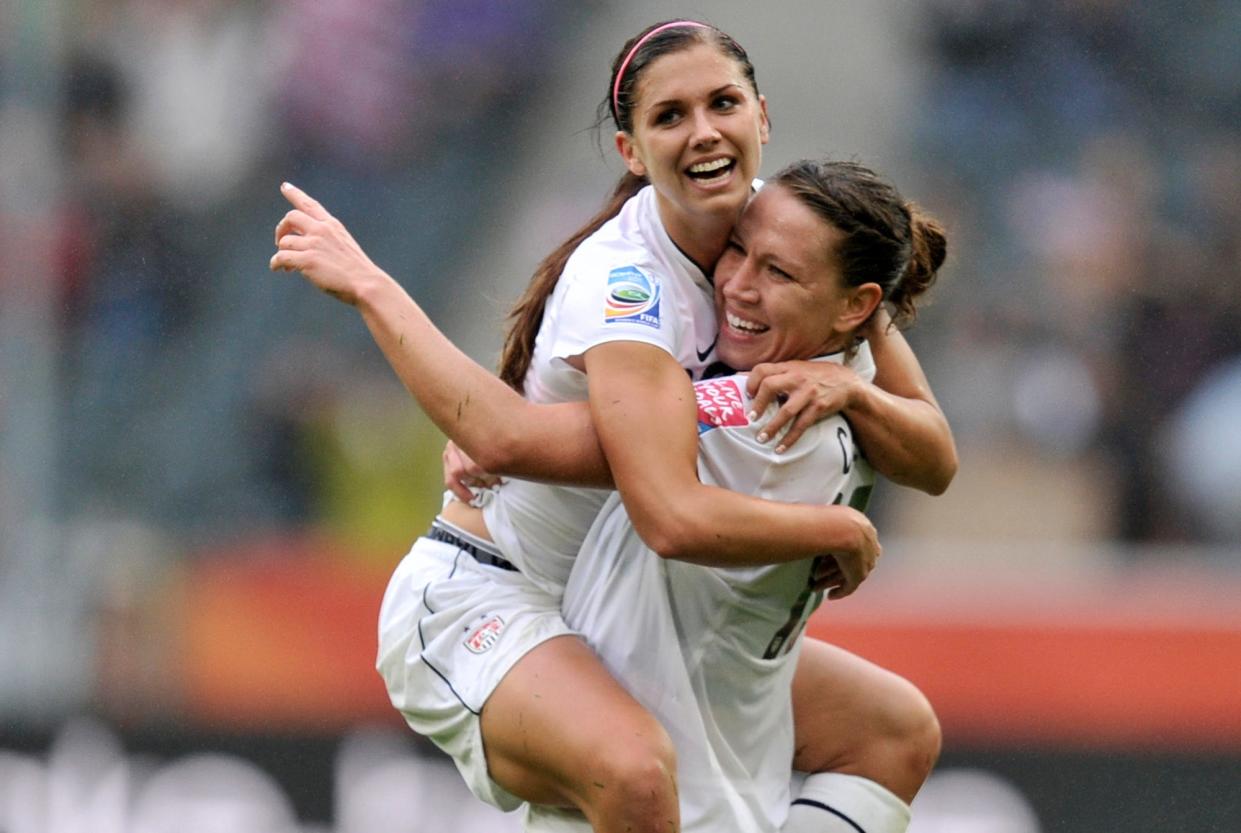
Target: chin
{"x": 738, "y": 360}
{"x": 725, "y": 203}
{"x": 737, "y": 193}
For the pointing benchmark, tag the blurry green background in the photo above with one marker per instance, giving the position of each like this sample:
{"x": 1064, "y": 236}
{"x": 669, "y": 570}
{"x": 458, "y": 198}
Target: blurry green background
{"x": 207, "y": 471}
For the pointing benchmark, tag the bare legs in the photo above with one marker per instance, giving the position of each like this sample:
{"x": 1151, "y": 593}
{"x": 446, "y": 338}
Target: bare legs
{"x": 853, "y": 717}
{"x": 559, "y": 730}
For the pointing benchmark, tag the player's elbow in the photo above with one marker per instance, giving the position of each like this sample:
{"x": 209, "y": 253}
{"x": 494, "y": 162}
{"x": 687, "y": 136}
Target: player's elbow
{"x": 944, "y": 462}
{"x": 672, "y": 535}
{"x": 511, "y": 447}
{"x": 497, "y": 455}
{"x": 932, "y": 481}
{"x": 672, "y": 547}
{"x": 924, "y": 456}
{"x": 947, "y": 470}
{"x": 940, "y": 477}
{"x": 660, "y": 539}
{"x": 929, "y": 469}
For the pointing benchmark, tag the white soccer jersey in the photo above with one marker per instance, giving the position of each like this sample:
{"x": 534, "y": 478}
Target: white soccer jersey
{"x": 626, "y": 282}
{"x": 710, "y": 651}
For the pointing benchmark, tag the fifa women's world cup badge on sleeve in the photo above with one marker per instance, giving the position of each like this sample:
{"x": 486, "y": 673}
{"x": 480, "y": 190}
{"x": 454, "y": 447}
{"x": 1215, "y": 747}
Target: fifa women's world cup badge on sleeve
{"x": 633, "y": 296}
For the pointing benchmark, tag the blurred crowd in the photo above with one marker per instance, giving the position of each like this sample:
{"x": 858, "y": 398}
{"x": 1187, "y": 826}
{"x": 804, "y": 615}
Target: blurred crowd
{"x": 1090, "y": 154}
{"x": 1085, "y": 151}
{"x": 201, "y": 393}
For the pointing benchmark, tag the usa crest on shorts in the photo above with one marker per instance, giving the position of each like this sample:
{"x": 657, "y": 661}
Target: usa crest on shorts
{"x": 484, "y": 637}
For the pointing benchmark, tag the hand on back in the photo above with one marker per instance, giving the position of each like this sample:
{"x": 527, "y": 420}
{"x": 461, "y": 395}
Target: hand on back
{"x": 841, "y": 572}
{"x": 806, "y": 391}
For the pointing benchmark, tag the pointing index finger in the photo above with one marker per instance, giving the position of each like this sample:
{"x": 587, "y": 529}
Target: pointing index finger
{"x": 300, "y": 199}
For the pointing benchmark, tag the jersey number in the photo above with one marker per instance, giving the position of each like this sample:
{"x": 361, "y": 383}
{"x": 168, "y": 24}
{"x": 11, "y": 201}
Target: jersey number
{"x": 784, "y": 638}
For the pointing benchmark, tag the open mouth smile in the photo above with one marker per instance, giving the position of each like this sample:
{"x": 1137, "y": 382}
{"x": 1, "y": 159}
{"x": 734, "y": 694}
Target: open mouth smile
{"x": 714, "y": 171}
{"x": 742, "y": 325}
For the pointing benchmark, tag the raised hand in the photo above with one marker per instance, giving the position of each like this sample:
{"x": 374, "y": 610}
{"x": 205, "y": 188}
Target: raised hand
{"x": 311, "y": 241}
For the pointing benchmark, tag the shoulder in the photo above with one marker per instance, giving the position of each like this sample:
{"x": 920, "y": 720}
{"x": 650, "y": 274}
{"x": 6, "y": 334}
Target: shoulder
{"x": 618, "y": 261}
{"x": 606, "y": 252}
{"x": 619, "y": 242}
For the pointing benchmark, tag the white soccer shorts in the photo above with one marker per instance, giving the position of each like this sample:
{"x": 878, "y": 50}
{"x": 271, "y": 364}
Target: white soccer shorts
{"x": 450, "y": 628}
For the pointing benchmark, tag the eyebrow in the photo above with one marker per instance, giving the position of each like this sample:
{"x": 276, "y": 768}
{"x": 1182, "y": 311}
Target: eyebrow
{"x": 792, "y": 271}
{"x": 777, "y": 259}
{"x": 669, "y": 101}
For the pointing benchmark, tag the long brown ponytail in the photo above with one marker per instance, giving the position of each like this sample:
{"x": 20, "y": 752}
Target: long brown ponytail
{"x": 527, "y": 314}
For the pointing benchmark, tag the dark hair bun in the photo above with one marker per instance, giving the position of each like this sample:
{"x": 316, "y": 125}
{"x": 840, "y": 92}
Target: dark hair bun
{"x": 930, "y": 247}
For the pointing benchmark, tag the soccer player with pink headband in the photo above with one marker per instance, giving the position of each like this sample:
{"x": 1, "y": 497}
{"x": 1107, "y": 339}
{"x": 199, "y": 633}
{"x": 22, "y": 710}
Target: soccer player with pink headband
{"x": 472, "y": 644}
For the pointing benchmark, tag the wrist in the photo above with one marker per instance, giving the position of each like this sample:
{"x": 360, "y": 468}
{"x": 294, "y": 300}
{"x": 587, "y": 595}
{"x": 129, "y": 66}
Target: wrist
{"x": 860, "y": 527}
{"x": 856, "y": 391}
{"x": 373, "y": 287}
{"x": 845, "y": 530}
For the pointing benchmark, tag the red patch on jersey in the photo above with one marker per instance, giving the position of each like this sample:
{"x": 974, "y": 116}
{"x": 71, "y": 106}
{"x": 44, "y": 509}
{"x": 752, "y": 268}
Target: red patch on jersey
{"x": 485, "y": 635}
{"x": 720, "y": 403}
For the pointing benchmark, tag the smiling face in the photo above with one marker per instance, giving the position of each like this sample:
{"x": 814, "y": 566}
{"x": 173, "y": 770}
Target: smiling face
{"x": 698, "y": 130}
{"x": 779, "y": 294}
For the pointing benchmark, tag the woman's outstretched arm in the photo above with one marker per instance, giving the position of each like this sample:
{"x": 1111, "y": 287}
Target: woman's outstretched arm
{"x": 631, "y": 385}
{"x": 503, "y": 432}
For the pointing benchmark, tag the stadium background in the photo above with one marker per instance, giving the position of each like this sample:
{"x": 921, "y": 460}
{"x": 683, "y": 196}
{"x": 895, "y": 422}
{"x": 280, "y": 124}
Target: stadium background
{"x": 206, "y": 471}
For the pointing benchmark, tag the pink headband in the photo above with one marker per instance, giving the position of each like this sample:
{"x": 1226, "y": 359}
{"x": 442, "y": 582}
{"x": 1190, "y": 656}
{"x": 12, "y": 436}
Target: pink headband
{"x": 625, "y": 63}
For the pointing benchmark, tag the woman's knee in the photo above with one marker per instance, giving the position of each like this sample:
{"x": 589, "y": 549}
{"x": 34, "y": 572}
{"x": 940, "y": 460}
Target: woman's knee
{"x": 918, "y": 733}
{"x": 903, "y": 744}
{"x": 858, "y": 718}
{"x": 538, "y": 749}
{"x": 634, "y": 766}
{"x": 621, "y": 780}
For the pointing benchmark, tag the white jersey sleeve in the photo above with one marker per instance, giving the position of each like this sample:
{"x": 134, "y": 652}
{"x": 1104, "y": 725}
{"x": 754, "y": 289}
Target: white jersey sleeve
{"x": 626, "y": 282}
{"x": 616, "y": 299}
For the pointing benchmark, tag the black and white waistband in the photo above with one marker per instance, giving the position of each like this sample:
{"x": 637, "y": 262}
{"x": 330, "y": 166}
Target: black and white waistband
{"x": 484, "y": 552}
